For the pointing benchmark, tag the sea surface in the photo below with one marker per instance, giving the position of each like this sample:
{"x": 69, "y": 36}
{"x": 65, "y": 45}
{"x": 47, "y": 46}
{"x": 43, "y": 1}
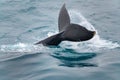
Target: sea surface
{"x": 25, "y": 22}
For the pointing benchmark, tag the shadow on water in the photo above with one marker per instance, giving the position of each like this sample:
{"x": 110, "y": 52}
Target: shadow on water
{"x": 67, "y": 57}
{"x": 71, "y": 58}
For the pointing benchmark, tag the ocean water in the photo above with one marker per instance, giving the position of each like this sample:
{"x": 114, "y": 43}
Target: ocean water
{"x": 25, "y": 22}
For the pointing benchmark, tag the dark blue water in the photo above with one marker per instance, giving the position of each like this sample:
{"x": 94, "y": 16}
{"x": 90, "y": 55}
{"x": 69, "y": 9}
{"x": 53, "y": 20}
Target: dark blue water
{"x": 24, "y": 22}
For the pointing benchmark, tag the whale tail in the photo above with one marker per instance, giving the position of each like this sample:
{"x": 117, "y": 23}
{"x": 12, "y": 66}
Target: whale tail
{"x": 63, "y": 19}
{"x": 67, "y": 31}
{"x": 52, "y": 40}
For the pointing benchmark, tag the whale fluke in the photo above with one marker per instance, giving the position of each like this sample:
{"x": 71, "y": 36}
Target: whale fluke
{"x": 52, "y": 40}
{"x": 67, "y": 31}
{"x": 63, "y": 19}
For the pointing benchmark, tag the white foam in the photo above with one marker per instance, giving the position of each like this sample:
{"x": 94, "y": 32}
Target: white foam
{"x": 22, "y": 47}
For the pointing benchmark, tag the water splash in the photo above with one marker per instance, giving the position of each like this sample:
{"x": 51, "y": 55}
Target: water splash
{"x": 95, "y": 43}
{"x": 77, "y": 17}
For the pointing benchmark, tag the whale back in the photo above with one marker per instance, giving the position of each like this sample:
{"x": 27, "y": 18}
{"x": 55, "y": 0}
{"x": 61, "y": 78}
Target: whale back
{"x": 63, "y": 19}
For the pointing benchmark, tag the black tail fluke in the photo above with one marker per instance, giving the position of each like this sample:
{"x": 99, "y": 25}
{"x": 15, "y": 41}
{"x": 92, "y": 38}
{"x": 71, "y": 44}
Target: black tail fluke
{"x": 64, "y": 19}
{"x": 53, "y": 40}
